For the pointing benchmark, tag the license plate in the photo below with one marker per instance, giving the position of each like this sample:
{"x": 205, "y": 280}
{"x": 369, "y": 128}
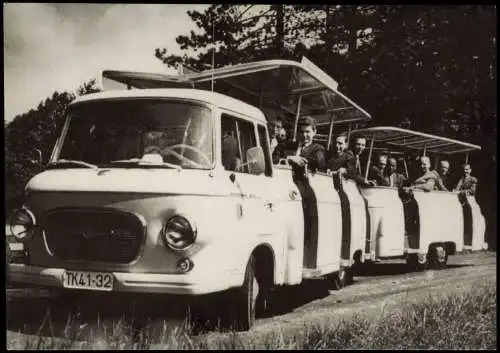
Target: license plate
{"x": 88, "y": 280}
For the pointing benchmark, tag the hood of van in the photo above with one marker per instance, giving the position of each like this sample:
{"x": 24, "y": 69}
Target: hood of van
{"x": 170, "y": 181}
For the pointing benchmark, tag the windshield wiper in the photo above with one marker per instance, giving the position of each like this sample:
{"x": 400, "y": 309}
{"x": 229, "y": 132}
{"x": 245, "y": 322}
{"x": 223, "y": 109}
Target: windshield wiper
{"x": 61, "y": 162}
{"x": 140, "y": 161}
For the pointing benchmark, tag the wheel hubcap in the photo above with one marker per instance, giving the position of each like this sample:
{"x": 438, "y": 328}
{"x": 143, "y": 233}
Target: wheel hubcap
{"x": 440, "y": 254}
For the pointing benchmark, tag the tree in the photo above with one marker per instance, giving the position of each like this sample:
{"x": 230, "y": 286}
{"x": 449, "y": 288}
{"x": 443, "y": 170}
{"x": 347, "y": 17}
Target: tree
{"x": 37, "y": 129}
{"x": 239, "y": 33}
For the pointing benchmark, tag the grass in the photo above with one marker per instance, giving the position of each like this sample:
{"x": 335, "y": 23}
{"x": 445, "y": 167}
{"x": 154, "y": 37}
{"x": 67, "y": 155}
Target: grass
{"x": 460, "y": 321}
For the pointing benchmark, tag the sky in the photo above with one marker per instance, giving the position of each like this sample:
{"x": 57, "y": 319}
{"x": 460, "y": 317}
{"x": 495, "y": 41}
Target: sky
{"x": 58, "y": 47}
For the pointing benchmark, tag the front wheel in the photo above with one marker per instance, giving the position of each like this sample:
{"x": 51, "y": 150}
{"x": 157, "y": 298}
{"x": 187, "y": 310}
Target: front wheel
{"x": 415, "y": 263}
{"x": 245, "y": 299}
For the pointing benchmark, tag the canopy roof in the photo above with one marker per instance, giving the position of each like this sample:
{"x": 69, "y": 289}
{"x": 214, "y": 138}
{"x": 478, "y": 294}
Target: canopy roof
{"x": 146, "y": 80}
{"x": 415, "y": 140}
{"x": 272, "y": 85}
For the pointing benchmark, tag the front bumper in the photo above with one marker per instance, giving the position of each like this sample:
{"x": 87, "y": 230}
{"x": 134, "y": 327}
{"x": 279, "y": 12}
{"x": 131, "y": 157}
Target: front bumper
{"x": 184, "y": 284}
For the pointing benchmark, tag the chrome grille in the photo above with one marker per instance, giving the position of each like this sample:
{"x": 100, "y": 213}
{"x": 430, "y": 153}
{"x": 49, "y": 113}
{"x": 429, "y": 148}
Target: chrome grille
{"x": 94, "y": 235}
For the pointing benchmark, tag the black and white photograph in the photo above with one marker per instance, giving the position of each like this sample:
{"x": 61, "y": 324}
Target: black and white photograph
{"x": 250, "y": 176}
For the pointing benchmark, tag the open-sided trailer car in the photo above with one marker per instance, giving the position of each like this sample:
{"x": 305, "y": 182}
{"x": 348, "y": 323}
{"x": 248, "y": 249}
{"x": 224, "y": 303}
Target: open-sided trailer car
{"x": 438, "y": 223}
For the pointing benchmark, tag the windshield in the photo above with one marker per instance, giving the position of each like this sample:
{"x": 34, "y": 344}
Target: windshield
{"x": 139, "y": 133}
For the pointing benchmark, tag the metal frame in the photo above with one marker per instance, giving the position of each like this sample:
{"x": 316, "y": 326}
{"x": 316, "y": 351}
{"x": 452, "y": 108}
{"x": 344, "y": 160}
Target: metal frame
{"x": 323, "y": 80}
{"x": 418, "y": 138}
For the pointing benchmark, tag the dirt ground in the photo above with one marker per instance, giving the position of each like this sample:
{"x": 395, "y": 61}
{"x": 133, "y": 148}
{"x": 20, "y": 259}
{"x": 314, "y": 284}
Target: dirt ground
{"x": 383, "y": 288}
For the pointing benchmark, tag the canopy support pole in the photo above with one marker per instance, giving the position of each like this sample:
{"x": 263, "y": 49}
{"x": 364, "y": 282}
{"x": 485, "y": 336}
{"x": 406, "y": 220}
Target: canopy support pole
{"x": 466, "y": 157}
{"x": 348, "y": 133}
{"x": 436, "y": 161}
{"x": 425, "y": 150}
{"x": 330, "y": 133}
{"x": 297, "y": 115}
{"x": 406, "y": 169}
{"x": 369, "y": 156}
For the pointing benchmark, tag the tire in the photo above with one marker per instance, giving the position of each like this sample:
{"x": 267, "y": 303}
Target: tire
{"x": 244, "y": 299}
{"x": 339, "y": 279}
{"x": 437, "y": 257}
{"x": 414, "y": 264}
{"x": 349, "y": 276}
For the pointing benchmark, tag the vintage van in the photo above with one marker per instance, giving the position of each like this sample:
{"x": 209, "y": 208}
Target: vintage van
{"x": 172, "y": 190}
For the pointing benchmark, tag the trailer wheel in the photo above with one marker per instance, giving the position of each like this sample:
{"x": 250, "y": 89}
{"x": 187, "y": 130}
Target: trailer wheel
{"x": 244, "y": 299}
{"x": 338, "y": 280}
{"x": 414, "y": 263}
{"x": 437, "y": 257}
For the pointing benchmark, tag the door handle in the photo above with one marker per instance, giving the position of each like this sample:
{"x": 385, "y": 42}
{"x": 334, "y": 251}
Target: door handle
{"x": 269, "y": 205}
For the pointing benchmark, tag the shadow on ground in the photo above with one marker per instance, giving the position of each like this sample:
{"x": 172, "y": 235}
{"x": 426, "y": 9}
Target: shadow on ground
{"x": 55, "y": 314}
{"x": 389, "y": 269}
{"x": 51, "y": 314}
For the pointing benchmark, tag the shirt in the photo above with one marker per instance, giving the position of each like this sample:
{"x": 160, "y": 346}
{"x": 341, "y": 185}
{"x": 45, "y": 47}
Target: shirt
{"x": 426, "y": 182}
{"x": 467, "y": 184}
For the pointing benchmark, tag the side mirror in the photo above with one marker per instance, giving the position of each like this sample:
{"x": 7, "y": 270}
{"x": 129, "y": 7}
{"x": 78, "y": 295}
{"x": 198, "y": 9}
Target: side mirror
{"x": 256, "y": 161}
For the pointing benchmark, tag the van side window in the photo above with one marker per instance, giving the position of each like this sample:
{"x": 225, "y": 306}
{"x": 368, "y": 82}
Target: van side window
{"x": 264, "y": 143}
{"x": 238, "y": 136}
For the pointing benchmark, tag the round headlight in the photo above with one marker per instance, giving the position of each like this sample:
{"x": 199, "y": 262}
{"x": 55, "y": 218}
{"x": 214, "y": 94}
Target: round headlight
{"x": 22, "y": 225}
{"x": 178, "y": 233}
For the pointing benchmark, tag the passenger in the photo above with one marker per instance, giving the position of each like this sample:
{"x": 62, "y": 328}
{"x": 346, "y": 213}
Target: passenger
{"x": 357, "y": 174}
{"x": 307, "y": 152}
{"x": 230, "y": 152}
{"x": 467, "y": 184}
{"x": 395, "y": 179}
{"x": 278, "y": 141}
{"x": 428, "y": 179}
{"x": 343, "y": 159}
{"x": 377, "y": 172}
{"x": 275, "y": 130}
{"x": 311, "y": 155}
{"x": 442, "y": 174}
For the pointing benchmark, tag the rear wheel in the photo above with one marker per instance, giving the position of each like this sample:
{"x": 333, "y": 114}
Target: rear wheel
{"x": 437, "y": 257}
{"x": 338, "y": 280}
{"x": 415, "y": 263}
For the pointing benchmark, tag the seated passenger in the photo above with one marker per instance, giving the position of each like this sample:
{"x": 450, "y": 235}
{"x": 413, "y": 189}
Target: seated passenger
{"x": 428, "y": 179}
{"x": 442, "y": 174}
{"x": 342, "y": 159}
{"x": 377, "y": 172}
{"x": 467, "y": 184}
{"x": 278, "y": 141}
{"x": 357, "y": 172}
{"x": 307, "y": 152}
{"x": 395, "y": 179}
{"x": 230, "y": 152}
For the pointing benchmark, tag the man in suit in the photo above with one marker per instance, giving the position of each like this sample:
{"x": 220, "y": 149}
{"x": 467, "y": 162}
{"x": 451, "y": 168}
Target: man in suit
{"x": 377, "y": 172}
{"x": 357, "y": 174}
{"x": 395, "y": 179}
{"x": 312, "y": 156}
{"x": 442, "y": 174}
{"x": 342, "y": 159}
{"x": 307, "y": 153}
{"x": 467, "y": 184}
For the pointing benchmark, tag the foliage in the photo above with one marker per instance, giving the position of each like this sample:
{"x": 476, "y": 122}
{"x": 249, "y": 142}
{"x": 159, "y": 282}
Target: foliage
{"x": 36, "y": 129}
{"x": 430, "y": 67}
